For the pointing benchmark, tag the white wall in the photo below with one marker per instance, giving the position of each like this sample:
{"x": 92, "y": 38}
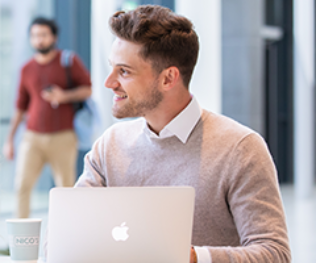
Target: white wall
{"x": 304, "y": 82}
{"x": 206, "y": 81}
{"x": 101, "y": 42}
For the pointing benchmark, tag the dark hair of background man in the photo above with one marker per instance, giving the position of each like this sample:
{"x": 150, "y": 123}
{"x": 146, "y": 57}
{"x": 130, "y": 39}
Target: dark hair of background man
{"x": 46, "y": 22}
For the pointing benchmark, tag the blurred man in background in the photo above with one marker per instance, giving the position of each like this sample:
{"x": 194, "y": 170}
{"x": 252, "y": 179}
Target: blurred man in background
{"x": 46, "y": 100}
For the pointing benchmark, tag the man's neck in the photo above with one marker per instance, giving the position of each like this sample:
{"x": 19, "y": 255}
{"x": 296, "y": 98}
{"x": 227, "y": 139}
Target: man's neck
{"x": 160, "y": 118}
{"x": 45, "y": 58}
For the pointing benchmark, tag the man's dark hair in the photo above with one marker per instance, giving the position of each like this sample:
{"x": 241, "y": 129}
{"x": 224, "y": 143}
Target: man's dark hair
{"x": 46, "y": 22}
{"x": 167, "y": 39}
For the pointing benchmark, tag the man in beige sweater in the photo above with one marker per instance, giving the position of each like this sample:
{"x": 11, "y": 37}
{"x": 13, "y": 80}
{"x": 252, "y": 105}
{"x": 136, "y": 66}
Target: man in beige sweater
{"x": 238, "y": 212}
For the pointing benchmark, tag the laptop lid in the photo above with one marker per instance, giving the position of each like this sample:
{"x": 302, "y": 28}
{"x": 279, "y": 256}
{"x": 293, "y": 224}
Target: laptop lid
{"x": 123, "y": 224}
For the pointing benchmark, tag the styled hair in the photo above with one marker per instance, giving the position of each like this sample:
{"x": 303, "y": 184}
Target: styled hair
{"x": 167, "y": 39}
{"x": 46, "y": 22}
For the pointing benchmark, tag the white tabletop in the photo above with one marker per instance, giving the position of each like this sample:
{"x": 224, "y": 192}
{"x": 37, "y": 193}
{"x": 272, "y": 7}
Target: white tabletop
{"x": 6, "y": 259}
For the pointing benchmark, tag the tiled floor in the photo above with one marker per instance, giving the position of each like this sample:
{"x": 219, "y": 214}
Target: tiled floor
{"x": 301, "y": 220}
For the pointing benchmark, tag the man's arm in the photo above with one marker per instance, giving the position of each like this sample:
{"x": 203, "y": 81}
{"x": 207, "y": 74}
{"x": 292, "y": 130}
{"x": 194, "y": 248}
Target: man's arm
{"x": 254, "y": 201}
{"x": 57, "y": 95}
{"x": 94, "y": 173}
{"x": 8, "y": 148}
{"x": 80, "y": 93}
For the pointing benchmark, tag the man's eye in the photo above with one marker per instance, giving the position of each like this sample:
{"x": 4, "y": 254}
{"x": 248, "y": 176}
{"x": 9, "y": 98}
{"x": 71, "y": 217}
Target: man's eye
{"x": 123, "y": 71}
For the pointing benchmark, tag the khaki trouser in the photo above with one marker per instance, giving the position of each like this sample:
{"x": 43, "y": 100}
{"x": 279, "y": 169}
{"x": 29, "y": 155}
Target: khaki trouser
{"x": 36, "y": 149}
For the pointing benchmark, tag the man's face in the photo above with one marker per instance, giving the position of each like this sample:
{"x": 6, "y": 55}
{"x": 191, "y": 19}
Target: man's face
{"x": 42, "y": 38}
{"x": 134, "y": 83}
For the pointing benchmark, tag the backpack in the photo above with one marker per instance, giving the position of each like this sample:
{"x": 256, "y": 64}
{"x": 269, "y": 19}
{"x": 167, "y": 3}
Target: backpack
{"x": 86, "y": 113}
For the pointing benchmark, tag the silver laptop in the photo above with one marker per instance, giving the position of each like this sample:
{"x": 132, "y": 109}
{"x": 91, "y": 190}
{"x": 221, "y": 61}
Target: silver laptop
{"x": 120, "y": 224}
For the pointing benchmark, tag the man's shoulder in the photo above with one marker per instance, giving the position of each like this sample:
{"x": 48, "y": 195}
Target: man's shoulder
{"x": 28, "y": 65}
{"x": 69, "y": 57}
{"x": 125, "y": 129}
{"x": 223, "y": 126}
{"x": 31, "y": 64}
{"x": 121, "y": 134}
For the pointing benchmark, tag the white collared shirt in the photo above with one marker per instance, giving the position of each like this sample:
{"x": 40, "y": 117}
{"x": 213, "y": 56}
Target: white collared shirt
{"x": 181, "y": 126}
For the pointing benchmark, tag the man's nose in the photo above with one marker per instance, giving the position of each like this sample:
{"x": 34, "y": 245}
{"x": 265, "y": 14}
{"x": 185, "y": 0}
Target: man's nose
{"x": 111, "y": 81}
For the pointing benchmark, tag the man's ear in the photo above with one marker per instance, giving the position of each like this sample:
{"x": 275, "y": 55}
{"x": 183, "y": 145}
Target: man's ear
{"x": 170, "y": 77}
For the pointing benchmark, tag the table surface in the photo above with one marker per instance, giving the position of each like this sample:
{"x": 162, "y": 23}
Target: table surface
{"x": 6, "y": 259}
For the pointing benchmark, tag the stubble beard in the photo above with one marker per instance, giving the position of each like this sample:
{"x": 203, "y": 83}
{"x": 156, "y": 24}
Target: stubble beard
{"x": 46, "y": 50}
{"x": 139, "y": 108}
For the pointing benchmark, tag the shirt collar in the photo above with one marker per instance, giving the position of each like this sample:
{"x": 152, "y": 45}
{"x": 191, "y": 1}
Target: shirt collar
{"x": 182, "y": 125}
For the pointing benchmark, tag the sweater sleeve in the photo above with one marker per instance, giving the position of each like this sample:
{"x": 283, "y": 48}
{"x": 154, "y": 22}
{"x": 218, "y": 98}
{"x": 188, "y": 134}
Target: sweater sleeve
{"x": 255, "y": 204}
{"x": 94, "y": 167}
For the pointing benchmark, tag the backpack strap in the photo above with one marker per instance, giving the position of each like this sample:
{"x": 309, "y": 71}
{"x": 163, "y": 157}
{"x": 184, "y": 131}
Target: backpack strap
{"x": 66, "y": 59}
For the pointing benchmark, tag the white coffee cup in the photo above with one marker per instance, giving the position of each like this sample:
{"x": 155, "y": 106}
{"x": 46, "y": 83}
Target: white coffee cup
{"x": 24, "y": 239}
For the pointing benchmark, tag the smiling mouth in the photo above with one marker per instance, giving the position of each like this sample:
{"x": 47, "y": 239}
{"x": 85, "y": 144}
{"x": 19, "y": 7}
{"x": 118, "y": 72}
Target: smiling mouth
{"x": 119, "y": 97}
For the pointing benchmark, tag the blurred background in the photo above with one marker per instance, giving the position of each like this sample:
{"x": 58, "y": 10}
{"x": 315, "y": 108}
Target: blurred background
{"x": 256, "y": 65}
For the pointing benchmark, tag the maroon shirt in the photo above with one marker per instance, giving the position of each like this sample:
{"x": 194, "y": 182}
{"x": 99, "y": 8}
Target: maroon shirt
{"x": 34, "y": 78}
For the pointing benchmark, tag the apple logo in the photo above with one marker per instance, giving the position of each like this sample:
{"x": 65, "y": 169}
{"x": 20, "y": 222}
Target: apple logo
{"x": 119, "y": 233}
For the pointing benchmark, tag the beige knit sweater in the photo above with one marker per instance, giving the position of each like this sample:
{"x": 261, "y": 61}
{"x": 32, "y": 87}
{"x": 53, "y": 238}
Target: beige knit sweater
{"x": 238, "y": 209}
